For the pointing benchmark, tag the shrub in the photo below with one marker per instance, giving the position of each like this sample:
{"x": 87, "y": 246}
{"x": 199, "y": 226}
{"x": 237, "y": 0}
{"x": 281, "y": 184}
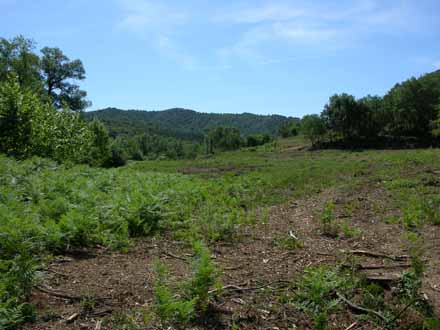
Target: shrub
{"x": 329, "y": 226}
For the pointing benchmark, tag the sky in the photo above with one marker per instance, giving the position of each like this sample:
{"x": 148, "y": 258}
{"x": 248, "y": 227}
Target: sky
{"x": 266, "y": 57}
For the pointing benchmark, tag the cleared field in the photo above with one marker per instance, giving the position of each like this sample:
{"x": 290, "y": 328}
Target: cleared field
{"x": 294, "y": 239}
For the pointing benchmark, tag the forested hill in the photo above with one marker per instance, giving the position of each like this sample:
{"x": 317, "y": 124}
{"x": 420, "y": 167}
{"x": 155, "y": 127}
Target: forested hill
{"x": 183, "y": 123}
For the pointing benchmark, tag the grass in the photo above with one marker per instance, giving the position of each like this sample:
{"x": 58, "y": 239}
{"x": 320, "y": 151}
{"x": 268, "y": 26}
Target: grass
{"x": 47, "y": 208}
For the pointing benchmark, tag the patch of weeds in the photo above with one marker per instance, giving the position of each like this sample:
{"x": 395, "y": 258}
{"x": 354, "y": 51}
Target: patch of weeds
{"x": 392, "y": 220}
{"x": 350, "y": 207}
{"x": 411, "y": 281}
{"x": 329, "y": 226}
{"x": 316, "y": 293}
{"x": 413, "y": 215}
{"x": 416, "y": 250}
{"x": 265, "y": 215}
{"x": 124, "y": 321}
{"x": 88, "y": 303}
{"x": 145, "y": 220}
{"x": 431, "y": 209}
{"x": 431, "y": 324}
{"x": 401, "y": 183}
{"x": 350, "y": 232}
{"x": 17, "y": 277}
{"x": 373, "y": 297}
{"x": 189, "y": 299}
{"x": 289, "y": 243}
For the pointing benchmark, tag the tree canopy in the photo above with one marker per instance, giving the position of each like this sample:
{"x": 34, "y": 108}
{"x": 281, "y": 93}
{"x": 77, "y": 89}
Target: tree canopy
{"x": 408, "y": 113}
{"x": 50, "y": 73}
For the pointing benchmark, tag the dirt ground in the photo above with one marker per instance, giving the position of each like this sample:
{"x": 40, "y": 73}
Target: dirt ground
{"x": 123, "y": 281}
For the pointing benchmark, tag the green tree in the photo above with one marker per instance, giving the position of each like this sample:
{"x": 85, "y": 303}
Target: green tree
{"x": 313, "y": 128}
{"x": 411, "y": 107}
{"x": 16, "y": 109}
{"x": 100, "y": 150}
{"x": 16, "y": 55}
{"x": 289, "y": 128}
{"x": 345, "y": 116}
{"x": 57, "y": 73}
{"x": 223, "y": 138}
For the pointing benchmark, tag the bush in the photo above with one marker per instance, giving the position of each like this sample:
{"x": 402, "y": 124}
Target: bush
{"x": 329, "y": 226}
{"x": 117, "y": 158}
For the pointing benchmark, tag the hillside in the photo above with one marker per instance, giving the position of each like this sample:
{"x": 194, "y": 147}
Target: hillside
{"x": 183, "y": 123}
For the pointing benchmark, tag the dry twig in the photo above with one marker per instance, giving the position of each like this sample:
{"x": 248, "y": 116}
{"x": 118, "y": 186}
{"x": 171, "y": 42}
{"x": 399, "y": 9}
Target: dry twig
{"x": 360, "y": 308}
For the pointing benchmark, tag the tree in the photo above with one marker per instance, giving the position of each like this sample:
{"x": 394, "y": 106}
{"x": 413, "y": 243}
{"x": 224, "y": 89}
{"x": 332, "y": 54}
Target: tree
{"x": 223, "y": 138}
{"x": 16, "y": 107}
{"x": 375, "y": 117}
{"x": 313, "y": 128}
{"x": 289, "y": 128}
{"x": 57, "y": 71}
{"x": 411, "y": 108}
{"x": 16, "y": 55}
{"x": 100, "y": 150}
{"x": 345, "y": 116}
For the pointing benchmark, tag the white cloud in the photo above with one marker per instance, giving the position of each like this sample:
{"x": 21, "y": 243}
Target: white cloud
{"x": 317, "y": 27}
{"x": 262, "y": 29}
{"x": 157, "y": 24}
{"x": 144, "y": 15}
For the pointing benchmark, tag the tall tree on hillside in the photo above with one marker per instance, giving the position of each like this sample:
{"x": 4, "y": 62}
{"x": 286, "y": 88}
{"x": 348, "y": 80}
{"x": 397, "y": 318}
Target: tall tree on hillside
{"x": 58, "y": 72}
{"x": 17, "y": 57}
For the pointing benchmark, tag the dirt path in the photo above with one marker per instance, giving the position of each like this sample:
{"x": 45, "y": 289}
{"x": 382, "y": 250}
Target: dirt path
{"x": 123, "y": 281}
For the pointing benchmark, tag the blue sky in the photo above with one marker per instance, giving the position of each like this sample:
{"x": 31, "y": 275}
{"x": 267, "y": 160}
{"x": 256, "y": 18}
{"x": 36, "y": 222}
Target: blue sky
{"x": 264, "y": 57}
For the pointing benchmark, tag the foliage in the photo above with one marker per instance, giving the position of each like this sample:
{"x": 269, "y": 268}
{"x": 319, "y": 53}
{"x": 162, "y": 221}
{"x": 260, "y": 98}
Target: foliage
{"x": 316, "y": 293}
{"x": 17, "y": 56}
{"x": 182, "y": 123}
{"x": 49, "y": 75}
{"x": 289, "y": 128}
{"x": 223, "y": 138}
{"x": 406, "y": 115}
{"x": 290, "y": 243}
{"x": 343, "y": 114}
{"x": 30, "y": 127}
{"x": 257, "y": 140}
{"x": 194, "y": 297}
{"x": 100, "y": 150}
{"x": 329, "y": 226}
{"x": 48, "y": 208}
{"x": 313, "y": 128}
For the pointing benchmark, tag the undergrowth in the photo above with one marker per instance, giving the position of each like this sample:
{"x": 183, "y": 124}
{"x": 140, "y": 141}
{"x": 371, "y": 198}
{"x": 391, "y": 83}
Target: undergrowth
{"x": 188, "y": 299}
{"x": 46, "y": 208}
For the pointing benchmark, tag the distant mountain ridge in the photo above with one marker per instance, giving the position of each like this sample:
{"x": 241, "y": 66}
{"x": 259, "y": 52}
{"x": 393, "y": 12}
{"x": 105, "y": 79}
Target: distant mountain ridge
{"x": 183, "y": 123}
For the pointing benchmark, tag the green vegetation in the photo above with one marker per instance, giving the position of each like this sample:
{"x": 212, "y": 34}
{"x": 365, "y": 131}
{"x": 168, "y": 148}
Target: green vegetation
{"x": 408, "y": 115}
{"x": 49, "y": 75}
{"x": 193, "y": 300}
{"x": 329, "y": 226}
{"x": 316, "y": 293}
{"x": 182, "y": 123}
{"x": 48, "y": 208}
